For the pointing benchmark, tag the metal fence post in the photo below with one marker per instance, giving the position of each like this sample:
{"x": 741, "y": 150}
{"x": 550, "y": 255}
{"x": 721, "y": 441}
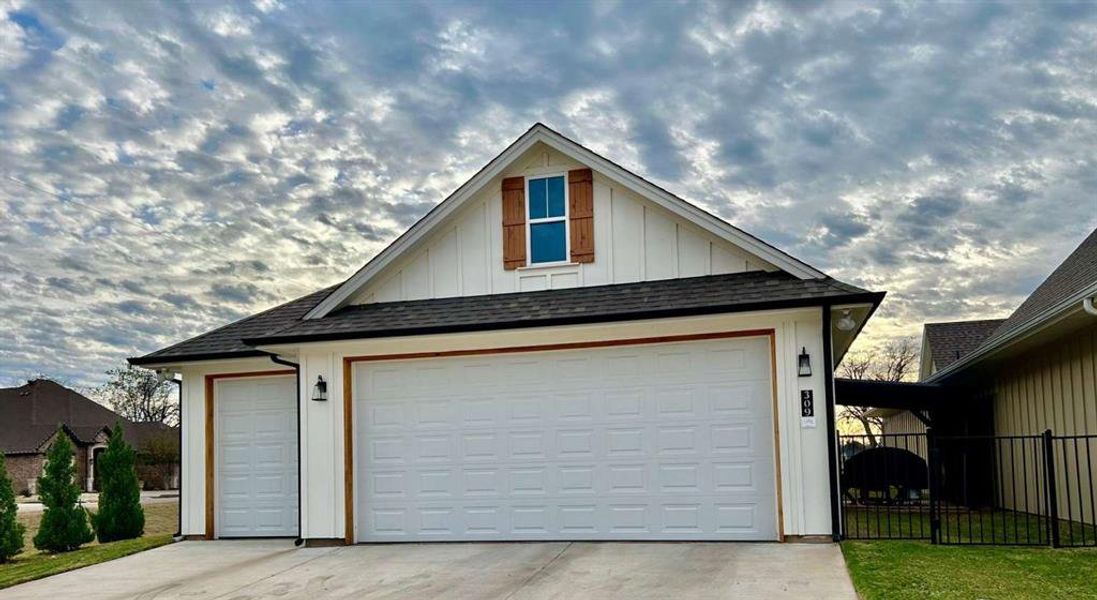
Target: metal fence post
{"x": 933, "y": 465}
{"x": 1052, "y": 495}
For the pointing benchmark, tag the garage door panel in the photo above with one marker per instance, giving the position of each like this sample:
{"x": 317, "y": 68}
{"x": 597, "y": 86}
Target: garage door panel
{"x": 521, "y": 449}
{"x": 256, "y": 470}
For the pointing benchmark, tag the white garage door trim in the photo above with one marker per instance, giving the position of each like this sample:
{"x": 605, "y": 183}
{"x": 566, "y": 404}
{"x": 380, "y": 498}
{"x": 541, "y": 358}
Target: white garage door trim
{"x": 225, "y": 390}
{"x": 352, "y": 485}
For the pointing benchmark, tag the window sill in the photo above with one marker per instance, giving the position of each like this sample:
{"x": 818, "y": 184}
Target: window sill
{"x": 546, "y": 266}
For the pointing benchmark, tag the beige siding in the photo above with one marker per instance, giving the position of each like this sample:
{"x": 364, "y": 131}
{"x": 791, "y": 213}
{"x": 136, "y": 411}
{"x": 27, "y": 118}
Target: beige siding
{"x": 905, "y": 422}
{"x": 1051, "y": 387}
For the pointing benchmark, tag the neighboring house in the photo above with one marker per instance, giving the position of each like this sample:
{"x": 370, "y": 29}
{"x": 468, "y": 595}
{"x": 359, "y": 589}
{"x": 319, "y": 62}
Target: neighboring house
{"x": 1031, "y": 372}
{"x": 30, "y": 416}
{"x": 560, "y": 350}
{"x": 942, "y": 345}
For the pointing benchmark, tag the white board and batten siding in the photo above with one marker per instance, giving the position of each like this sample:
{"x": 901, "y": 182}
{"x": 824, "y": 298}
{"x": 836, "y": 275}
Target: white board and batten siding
{"x": 634, "y": 240}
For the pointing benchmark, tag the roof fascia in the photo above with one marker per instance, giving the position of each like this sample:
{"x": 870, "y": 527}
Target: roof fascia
{"x": 1032, "y": 327}
{"x": 541, "y": 133}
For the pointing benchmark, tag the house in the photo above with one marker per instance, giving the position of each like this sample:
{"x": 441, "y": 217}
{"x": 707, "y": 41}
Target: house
{"x": 559, "y": 350}
{"x": 1038, "y": 365}
{"x": 1021, "y": 376}
{"x": 32, "y": 414}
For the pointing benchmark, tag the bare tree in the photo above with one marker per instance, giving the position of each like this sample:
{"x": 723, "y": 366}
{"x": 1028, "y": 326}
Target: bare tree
{"x": 895, "y": 361}
{"x": 140, "y": 395}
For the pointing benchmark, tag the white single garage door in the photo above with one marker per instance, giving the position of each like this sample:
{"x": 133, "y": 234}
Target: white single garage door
{"x": 256, "y": 445}
{"x": 647, "y": 442}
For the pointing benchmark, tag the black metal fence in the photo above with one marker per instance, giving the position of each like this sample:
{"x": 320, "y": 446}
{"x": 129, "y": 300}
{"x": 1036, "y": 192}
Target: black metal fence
{"x": 1004, "y": 490}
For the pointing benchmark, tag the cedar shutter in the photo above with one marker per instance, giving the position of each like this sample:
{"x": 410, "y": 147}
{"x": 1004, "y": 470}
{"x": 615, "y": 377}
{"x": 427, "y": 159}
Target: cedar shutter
{"x": 581, "y": 214}
{"x": 514, "y": 223}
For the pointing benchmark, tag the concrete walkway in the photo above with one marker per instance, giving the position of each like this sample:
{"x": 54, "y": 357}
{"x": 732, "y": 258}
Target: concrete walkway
{"x": 242, "y": 570}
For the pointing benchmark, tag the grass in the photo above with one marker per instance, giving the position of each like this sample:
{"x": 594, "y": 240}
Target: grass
{"x": 897, "y": 570}
{"x": 960, "y": 525}
{"x": 160, "y": 523}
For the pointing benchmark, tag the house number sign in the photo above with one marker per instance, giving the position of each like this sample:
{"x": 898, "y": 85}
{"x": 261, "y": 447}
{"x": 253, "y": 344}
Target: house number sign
{"x": 807, "y": 409}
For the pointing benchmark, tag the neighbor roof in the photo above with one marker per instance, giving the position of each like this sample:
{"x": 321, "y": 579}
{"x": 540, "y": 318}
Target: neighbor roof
{"x": 949, "y": 342}
{"x": 1075, "y": 275}
{"x": 1062, "y": 291}
{"x": 31, "y": 413}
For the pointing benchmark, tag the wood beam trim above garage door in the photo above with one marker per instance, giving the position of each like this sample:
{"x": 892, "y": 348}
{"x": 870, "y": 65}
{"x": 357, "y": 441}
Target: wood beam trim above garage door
{"x": 211, "y": 451}
{"x": 348, "y": 403}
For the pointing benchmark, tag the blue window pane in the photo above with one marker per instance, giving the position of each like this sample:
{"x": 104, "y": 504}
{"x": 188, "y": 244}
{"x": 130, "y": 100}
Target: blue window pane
{"x": 538, "y": 204}
{"x": 546, "y": 242}
{"x": 555, "y": 196}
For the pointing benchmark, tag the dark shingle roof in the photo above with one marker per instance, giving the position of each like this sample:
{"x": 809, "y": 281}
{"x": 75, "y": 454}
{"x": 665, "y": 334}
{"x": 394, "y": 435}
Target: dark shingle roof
{"x": 1073, "y": 276}
{"x": 620, "y": 302}
{"x": 226, "y": 342}
{"x": 31, "y": 413}
{"x": 949, "y": 342}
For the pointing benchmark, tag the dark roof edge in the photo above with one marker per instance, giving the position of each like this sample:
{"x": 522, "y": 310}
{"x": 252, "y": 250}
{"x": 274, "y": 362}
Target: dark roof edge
{"x": 139, "y": 361}
{"x": 873, "y": 297}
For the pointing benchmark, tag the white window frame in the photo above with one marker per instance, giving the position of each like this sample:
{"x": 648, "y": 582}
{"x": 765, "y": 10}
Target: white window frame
{"x": 530, "y": 222}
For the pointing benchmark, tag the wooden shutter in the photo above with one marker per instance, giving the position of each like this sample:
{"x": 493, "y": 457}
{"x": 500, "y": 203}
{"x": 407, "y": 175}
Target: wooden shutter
{"x": 581, "y": 214}
{"x": 514, "y": 223}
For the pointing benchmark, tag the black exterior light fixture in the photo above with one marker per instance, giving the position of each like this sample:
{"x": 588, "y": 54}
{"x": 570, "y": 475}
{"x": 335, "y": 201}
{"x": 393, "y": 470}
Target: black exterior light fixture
{"x": 320, "y": 390}
{"x": 804, "y": 363}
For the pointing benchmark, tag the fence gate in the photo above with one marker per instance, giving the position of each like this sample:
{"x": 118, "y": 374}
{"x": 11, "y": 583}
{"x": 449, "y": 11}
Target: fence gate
{"x": 1003, "y": 490}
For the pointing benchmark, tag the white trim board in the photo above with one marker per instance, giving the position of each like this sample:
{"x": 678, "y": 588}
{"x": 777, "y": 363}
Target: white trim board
{"x": 541, "y": 133}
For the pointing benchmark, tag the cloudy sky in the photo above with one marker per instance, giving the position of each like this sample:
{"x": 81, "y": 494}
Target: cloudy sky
{"x": 167, "y": 168}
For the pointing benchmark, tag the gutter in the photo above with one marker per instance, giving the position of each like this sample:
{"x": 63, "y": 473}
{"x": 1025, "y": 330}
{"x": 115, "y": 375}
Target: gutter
{"x": 297, "y": 369}
{"x": 996, "y": 344}
{"x": 581, "y": 319}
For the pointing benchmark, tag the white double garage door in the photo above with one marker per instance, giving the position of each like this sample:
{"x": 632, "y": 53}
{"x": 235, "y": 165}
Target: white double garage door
{"x": 646, "y": 442}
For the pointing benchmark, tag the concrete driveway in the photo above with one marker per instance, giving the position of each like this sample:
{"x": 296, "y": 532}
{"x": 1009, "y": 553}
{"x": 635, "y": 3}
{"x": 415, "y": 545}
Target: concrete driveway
{"x": 240, "y": 570}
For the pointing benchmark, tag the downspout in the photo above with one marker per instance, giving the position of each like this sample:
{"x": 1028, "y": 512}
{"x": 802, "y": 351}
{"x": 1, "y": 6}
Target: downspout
{"x": 832, "y": 432}
{"x": 179, "y": 513}
{"x": 297, "y": 369}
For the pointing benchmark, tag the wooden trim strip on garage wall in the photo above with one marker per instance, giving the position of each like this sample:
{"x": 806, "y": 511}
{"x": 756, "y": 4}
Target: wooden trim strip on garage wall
{"x": 348, "y": 406}
{"x": 211, "y": 453}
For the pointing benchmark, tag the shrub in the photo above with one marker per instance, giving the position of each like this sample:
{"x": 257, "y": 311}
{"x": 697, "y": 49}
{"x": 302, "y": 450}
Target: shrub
{"x": 11, "y": 530}
{"x": 64, "y": 524}
{"x": 120, "y": 516}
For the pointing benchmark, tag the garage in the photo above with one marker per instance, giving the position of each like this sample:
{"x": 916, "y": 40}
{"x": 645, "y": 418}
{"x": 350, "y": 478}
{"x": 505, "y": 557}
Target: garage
{"x": 658, "y": 441}
{"x": 255, "y": 435}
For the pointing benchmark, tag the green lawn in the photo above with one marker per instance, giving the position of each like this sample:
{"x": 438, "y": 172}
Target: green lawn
{"x": 959, "y": 525}
{"x": 160, "y": 523}
{"x": 896, "y": 570}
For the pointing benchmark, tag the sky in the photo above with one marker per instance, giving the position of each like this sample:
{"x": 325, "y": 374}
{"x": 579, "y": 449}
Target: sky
{"x": 166, "y": 168}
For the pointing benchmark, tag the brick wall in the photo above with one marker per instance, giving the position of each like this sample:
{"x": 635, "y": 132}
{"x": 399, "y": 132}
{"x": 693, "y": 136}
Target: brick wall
{"x": 23, "y": 470}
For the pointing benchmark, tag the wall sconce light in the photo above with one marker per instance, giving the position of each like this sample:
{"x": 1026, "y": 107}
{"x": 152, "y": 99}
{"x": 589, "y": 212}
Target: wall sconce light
{"x": 805, "y": 363}
{"x": 320, "y": 390}
{"x": 846, "y": 322}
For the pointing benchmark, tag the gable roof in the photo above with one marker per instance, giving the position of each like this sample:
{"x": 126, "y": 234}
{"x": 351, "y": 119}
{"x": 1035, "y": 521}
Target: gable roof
{"x": 543, "y": 134}
{"x": 709, "y": 294}
{"x": 949, "y": 342}
{"x": 1076, "y": 274}
{"x": 31, "y": 413}
{"x": 227, "y": 341}
{"x": 1061, "y": 293}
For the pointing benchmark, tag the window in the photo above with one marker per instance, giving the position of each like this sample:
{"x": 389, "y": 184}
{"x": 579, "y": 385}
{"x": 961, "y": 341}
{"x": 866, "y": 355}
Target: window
{"x": 548, "y": 220}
